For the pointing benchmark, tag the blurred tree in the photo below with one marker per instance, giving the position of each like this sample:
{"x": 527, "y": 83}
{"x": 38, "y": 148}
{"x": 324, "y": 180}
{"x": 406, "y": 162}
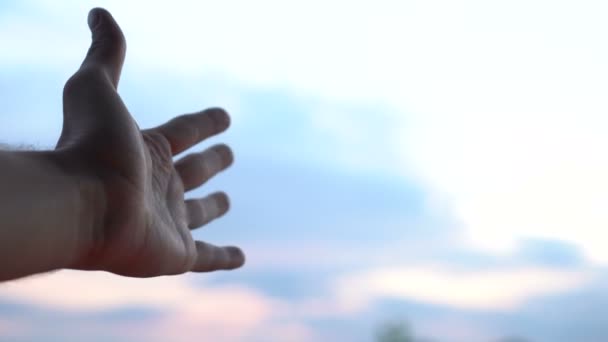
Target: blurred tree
{"x": 513, "y": 339}
{"x": 400, "y": 331}
{"x": 394, "y": 331}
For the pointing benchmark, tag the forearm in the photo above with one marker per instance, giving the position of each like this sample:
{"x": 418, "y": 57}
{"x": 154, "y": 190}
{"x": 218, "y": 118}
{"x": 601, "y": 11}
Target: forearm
{"x": 41, "y": 211}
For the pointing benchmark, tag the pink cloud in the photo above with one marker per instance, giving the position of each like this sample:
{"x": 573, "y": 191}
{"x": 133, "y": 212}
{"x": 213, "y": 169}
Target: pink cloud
{"x": 214, "y": 313}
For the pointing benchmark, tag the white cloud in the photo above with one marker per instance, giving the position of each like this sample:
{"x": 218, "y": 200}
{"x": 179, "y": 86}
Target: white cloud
{"x": 502, "y": 290}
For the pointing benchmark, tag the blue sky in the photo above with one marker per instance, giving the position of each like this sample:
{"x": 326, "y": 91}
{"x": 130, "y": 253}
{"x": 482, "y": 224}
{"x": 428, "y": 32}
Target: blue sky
{"x": 441, "y": 162}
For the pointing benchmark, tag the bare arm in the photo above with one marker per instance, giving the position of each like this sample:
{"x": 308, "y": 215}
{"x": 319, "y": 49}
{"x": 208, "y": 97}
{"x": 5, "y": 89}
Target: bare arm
{"x": 44, "y": 220}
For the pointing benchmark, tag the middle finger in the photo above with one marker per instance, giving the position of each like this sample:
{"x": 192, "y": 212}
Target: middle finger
{"x": 197, "y": 168}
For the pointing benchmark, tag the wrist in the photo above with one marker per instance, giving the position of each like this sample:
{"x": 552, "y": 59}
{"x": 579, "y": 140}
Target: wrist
{"x": 47, "y": 214}
{"x": 88, "y": 208}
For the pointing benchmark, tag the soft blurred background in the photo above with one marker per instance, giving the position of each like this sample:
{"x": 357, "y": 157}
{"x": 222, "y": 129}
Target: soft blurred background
{"x": 416, "y": 170}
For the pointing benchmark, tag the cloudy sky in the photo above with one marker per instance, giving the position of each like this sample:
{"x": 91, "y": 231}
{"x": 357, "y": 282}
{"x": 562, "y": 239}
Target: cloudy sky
{"x": 443, "y": 162}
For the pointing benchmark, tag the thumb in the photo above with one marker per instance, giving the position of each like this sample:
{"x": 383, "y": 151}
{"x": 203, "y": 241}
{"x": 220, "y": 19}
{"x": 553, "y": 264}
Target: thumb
{"x": 108, "y": 46}
{"x": 89, "y": 96}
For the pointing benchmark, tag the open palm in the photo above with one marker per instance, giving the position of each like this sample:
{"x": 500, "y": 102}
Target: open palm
{"x": 138, "y": 218}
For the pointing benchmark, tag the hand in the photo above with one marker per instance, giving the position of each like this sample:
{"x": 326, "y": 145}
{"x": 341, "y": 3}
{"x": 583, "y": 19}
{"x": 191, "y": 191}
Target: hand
{"x": 136, "y": 221}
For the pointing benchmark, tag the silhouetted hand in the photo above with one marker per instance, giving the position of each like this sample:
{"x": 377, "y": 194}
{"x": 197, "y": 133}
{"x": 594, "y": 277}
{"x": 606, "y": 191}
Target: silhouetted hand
{"x": 137, "y": 222}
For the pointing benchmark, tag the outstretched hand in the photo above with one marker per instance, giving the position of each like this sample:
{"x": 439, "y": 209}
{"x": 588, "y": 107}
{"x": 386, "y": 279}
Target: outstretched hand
{"x": 139, "y": 221}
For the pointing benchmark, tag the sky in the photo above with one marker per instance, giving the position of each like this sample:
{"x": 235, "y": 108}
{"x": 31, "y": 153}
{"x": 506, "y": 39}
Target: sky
{"x": 439, "y": 162}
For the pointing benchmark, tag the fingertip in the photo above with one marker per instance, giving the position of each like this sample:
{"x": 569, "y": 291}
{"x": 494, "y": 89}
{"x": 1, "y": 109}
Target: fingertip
{"x": 220, "y": 117}
{"x": 225, "y": 153}
{"x": 237, "y": 257}
{"x": 223, "y": 201}
{"x": 93, "y": 18}
{"x": 96, "y": 17}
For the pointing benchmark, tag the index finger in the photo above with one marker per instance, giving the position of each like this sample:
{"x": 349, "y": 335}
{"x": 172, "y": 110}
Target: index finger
{"x": 188, "y": 130}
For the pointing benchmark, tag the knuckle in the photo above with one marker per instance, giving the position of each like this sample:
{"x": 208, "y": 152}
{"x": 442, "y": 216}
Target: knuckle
{"x": 189, "y": 260}
{"x": 184, "y": 125}
{"x": 163, "y": 145}
{"x": 204, "y": 165}
{"x": 115, "y": 39}
{"x": 119, "y": 43}
{"x": 159, "y": 145}
{"x": 197, "y": 213}
{"x": 109, "y": 39}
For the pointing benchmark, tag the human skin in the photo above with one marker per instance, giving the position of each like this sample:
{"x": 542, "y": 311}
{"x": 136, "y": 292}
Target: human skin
{"x": 110, "y": 197}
